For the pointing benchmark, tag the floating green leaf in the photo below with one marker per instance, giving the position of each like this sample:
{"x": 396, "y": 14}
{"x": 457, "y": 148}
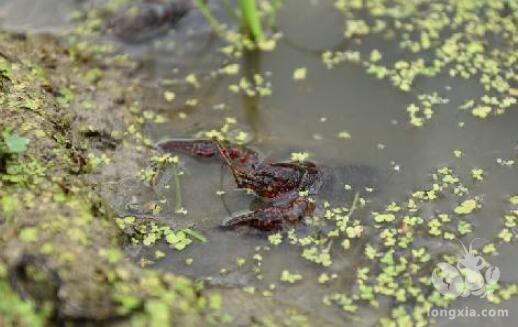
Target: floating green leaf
{"x": 194, "y": 234}
{"x": 379, "y": 218}
{"x": 466, "y": 207}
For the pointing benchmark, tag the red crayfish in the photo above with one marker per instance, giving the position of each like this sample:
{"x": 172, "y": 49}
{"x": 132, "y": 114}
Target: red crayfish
{"x": 147, "y": 20}
{"x": 285, "y": 186}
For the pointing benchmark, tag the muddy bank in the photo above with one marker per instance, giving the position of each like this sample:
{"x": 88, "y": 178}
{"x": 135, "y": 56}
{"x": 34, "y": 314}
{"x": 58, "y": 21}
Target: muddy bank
{"x": 60, "y": 243}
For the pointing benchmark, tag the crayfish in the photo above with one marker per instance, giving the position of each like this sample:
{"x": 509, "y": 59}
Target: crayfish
{"x": 147, "y": 20}
{"x": 286, "y": 187}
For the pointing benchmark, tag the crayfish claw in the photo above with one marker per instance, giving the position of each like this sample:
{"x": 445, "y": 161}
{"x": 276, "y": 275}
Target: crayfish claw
{"x": 266, "y": 219}
{"x": 195, "y": 148}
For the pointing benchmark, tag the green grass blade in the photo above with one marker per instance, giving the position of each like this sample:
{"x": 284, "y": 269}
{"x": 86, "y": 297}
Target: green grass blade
{"x": 251, "y": 19}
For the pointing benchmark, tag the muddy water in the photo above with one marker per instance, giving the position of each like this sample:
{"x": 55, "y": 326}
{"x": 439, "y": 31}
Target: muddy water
{"x": 307, "y": 116}
{"x": 40, "y": 15}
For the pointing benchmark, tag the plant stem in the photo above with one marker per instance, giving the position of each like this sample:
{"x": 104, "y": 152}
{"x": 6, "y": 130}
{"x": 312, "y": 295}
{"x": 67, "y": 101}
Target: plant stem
{"x": 353, "y": 205}
{"x": 178, "y": 193}
{"x": 251, "y": 20}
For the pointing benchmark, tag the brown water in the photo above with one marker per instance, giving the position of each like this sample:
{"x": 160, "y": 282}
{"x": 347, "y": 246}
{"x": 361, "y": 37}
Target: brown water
{"x": 306, "y": 116}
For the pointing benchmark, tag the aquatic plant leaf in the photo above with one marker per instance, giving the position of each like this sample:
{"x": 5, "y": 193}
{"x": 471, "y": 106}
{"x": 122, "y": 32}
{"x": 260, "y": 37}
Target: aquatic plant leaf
{"x": 466, "y": 207}
{"x": 195, "y": 234}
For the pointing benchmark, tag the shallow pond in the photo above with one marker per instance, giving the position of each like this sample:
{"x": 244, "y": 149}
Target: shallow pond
{"x": 392, "y": 157}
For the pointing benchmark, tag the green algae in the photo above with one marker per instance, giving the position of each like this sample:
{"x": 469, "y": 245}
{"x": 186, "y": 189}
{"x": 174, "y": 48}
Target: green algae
{"x": 16, "y": 312}
{"x": 437, "y": 38}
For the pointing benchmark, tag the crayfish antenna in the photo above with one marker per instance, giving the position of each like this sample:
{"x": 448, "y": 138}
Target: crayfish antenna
{"x": 223, "y": 152}
{"x": 228, "y": 161}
